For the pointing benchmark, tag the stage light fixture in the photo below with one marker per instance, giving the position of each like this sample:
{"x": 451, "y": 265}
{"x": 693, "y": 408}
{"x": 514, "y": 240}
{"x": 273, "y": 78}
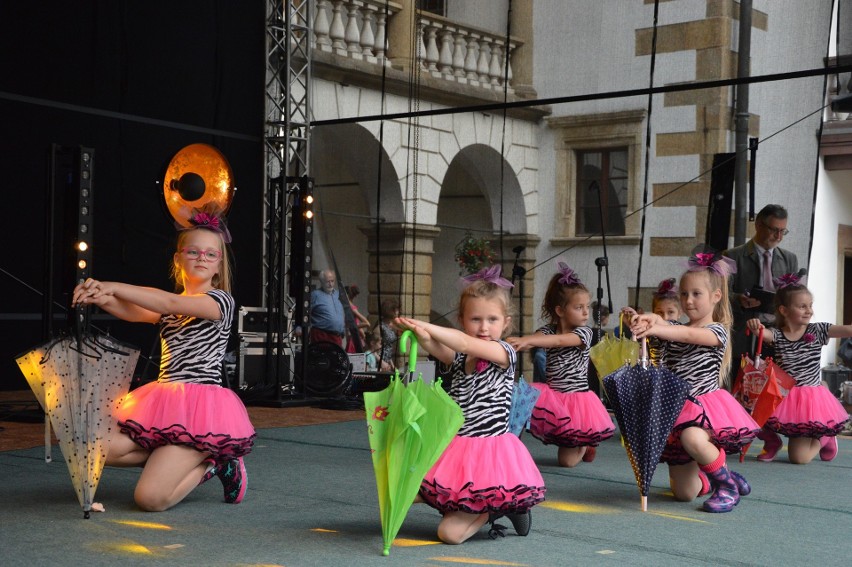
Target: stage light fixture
{"x": 301, "y": 246}
{"x": 84, "y": 176}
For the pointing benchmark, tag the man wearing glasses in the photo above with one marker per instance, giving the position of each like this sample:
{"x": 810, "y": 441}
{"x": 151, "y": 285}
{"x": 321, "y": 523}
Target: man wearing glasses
{"x": 758, "y": 261}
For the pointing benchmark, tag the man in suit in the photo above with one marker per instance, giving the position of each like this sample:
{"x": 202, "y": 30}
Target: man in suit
{"x": 758, "y": 261}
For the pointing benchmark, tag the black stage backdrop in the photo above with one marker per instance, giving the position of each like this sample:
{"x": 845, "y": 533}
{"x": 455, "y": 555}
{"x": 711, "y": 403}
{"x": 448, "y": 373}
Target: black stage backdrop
{"x": 136, "y": 81}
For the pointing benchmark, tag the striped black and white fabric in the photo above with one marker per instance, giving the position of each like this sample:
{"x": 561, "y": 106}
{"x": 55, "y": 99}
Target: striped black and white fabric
{"x": 698, "y": 365}
{"x": 801, "y": 358}
{"x": 567, "y": 368}
{"x": 484, "y": 397}
{"x": 193, "y": 348}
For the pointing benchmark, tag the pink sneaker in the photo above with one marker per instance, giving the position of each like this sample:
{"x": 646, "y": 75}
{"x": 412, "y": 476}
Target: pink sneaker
{"x": 829, "y": 448}
{"x": 771, "y": 445}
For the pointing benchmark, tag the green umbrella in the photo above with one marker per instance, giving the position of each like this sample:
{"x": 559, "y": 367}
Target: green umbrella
{"x": 409, "y": 428}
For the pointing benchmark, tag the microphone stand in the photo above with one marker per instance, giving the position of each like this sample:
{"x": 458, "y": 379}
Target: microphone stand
{"x": 519, "y": 272}
{"x": 601, "y": 263}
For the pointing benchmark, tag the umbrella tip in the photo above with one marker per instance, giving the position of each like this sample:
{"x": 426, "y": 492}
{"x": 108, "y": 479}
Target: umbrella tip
{"x": 644, "y": 503}
{"x": 386, "y": 551}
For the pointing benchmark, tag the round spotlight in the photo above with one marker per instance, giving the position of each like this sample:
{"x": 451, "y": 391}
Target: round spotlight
{"x": 82, "y": 246}
{"x": 309, "y": 214}
{"x": 82, "y": 264}
{"x": 309, "y": 199}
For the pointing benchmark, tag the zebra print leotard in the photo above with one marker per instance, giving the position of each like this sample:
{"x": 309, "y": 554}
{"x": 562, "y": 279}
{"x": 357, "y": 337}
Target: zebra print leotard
{"x": 698, "y": 365}
{"x": 801, "y": 358}
{"x": 484, "y": 397}
{"x": 567, "y": 368}
{"x": 193, "y": 348}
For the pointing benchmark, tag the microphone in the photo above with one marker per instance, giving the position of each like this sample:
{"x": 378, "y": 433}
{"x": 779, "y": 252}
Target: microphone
{"x": 518, "y": 249}
{"x": 802, "y": 273}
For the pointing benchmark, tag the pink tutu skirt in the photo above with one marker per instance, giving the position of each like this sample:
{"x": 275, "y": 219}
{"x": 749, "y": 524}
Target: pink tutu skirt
{"x": 729, "y": 425}
{"x": 208, "y": 418}
{"x": 484, "y": 474}
{"x": 572, "y": 419}
{"x": 808, "y": 411}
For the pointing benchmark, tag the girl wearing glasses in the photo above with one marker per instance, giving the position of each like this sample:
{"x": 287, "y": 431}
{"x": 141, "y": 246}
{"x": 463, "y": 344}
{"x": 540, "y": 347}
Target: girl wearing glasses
{"x": 184, "y": 428}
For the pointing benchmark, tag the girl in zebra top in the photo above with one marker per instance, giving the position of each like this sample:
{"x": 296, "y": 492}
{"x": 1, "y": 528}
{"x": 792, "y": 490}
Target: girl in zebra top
{"x": 184, "y": 428}
{"x": 485, "y": 472}
{"x": 567, "y": 413}
{"x": 810, "y": 415}
{"x": 711, "y": 423}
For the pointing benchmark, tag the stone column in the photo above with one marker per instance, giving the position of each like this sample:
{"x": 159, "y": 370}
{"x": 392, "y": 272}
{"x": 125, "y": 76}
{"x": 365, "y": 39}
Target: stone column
{"x": 522, "y": 60}
{"x": 402, "y": 263}
{"x": 399, "y": 30}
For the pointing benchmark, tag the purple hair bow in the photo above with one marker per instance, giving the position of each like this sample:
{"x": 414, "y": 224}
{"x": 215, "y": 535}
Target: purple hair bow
{"x": 490, "y": 275}
{"x": 713, "y": 261}
{"x": 211, "y": 222}
{"x": 569, "y": 276}
{"x": 787, "y": 280}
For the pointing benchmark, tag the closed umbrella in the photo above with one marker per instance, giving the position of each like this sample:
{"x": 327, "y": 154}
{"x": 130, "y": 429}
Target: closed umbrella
{"x": 78, "y": 381}
{"x": 646, "y": 400}
{"x": 760, "y": 386}
{"x": 612, "y": 353}
{"x": 409, "y": 427}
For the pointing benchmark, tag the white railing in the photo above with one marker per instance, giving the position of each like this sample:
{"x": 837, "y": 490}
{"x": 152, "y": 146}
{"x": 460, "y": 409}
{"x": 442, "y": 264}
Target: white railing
{"x": 353, "y": 28}
{"x": 357, "y": 29}
{"x": 464, "y": 54}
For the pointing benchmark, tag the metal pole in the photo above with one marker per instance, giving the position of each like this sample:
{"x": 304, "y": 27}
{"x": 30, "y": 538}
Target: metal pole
{"x": 741, "y": 177}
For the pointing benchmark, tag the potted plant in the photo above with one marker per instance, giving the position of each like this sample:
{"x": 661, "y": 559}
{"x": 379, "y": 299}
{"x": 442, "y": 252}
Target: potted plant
{"x": 473, "y": 254}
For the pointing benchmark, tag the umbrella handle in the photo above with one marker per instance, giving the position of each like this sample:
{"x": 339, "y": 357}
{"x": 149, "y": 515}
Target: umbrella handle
{"x": 643, "y": 361}
{"x": 407, "y": 337}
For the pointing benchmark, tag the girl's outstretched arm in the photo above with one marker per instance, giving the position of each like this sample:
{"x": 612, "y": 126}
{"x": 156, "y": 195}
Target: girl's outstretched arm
{"x": 651, "y": 325}
{"x": 450, "y": 341}
{"x": 136, "y": 303}
{"x": 541, "y": 340}
{"x": 839, "y": 331}
{"x": 424, "y": 338}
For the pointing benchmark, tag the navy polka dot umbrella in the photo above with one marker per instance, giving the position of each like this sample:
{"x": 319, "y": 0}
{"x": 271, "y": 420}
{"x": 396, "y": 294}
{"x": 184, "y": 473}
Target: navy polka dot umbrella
{"x": 646, "y": 401}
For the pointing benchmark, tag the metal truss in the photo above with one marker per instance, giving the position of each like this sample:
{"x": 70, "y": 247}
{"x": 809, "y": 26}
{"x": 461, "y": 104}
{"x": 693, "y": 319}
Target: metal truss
{"x": 287, "y": 155}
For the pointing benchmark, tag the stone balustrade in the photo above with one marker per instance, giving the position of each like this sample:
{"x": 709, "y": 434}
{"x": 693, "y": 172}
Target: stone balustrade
{"x": 464, "y": 54}
{"x": 447, "y": 50}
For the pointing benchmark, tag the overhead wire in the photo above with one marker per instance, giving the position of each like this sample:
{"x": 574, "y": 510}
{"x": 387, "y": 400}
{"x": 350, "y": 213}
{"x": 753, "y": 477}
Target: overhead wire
{"x": 647, "y": 154}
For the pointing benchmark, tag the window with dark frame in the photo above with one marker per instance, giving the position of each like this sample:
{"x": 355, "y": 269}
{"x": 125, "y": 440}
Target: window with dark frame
{"x": 602, "y": 191}
{"x": 433, "y": 6}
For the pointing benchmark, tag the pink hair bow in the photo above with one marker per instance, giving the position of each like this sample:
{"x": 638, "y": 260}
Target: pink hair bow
{"x": 490, "y": 275}
{"x": 211, "y": 222}
{"x": 713, "y": 261}
{"x": 666, "y": 289}
{"x": 569, "y": 276}
{"x": 787, "y": 280}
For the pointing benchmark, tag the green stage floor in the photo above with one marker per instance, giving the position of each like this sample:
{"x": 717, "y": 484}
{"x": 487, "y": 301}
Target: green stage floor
{"x": 311, "y": 501}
